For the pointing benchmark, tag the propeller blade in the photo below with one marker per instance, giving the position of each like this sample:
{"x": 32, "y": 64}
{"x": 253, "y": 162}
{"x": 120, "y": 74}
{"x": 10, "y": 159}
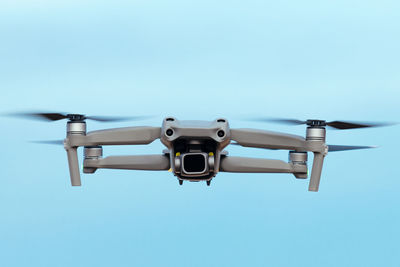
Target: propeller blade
{"x": 54, "y": 116}
{"x": 345, "y": 125}
{"x": 340, "y": 125}
{"x": 335, "y": 148}
{"x": 115, "y": 119}
{"x": 49, "y": 142}
{"x": 331, "y": 148}
{"x": 41, "y": 116}
{"x": 282, "y": 121}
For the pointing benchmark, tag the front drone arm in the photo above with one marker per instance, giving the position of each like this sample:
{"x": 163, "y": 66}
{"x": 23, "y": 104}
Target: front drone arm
{"x": 119, "y": 136}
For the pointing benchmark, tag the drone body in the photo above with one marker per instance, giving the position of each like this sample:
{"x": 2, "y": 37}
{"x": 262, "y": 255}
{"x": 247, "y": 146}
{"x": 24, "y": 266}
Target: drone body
{"x": 195, "y": 150}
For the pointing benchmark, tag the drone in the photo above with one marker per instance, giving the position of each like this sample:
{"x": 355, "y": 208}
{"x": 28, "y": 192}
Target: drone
{"x": 195, "y": 149}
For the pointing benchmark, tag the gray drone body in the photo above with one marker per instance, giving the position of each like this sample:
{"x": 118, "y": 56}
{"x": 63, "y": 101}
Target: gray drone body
{"x": 195, "y": 147}
{"x": 195, "y": 150}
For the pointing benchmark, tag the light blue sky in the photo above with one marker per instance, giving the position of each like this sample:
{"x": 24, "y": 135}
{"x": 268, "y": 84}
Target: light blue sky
{"x": 200, "y": 60}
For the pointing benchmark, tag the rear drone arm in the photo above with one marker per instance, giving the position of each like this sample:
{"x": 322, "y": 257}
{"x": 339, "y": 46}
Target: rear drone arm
{"x": 315, "y": 142}
{"x": 76, "y": 137}
{"x": 137, "y": 162}
{"x": 256, "y": 165}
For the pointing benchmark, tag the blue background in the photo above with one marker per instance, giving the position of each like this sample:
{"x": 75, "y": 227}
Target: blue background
{"x": 200, "y": 60}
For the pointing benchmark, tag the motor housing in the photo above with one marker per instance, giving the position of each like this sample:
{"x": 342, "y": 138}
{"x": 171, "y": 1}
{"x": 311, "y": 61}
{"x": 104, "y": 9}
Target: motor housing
{"x": 76, "y": 127}
{"x": 298, "y": 158}
{"x": 316, "y": 133}
{"x": 91, "y": 153}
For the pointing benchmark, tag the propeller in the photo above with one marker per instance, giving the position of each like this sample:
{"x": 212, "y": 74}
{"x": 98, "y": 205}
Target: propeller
{"x": 331, "y": 148}
{"x": 73, "y": 117}
{"x": 335, "y": 148}
{"x": 48, "y": 142}
{"x": 340, "y": 125}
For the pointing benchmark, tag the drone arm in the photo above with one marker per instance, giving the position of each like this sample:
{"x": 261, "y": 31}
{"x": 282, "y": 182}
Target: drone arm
{"x": 272, "y": 140}
{"x": 121, "y": 136}
{"x": 137, "y": 162}
{"x": 266, "y": 139}
{"x": 256, "y": 165}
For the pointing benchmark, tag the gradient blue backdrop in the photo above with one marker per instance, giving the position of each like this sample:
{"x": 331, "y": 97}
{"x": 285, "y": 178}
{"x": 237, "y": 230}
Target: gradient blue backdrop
{"x": 200, "y": 60}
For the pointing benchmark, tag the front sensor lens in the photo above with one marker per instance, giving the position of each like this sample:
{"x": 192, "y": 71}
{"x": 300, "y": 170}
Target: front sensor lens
{"x": 169, "y": 132}
{"x": 221, "y": 133}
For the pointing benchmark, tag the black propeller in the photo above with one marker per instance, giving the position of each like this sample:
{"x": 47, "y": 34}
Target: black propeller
{"x": 340, "y": 125}
{"x": 334, "y": 148}
{"x": 74, "y": 117}
{"x": 49, "y": 142}
{"x": 331, "y": 148}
